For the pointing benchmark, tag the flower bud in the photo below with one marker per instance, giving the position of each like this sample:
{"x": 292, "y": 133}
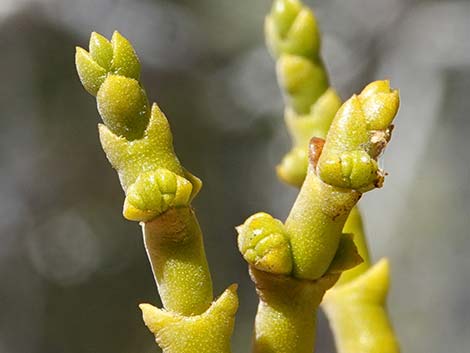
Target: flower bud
{"x": 304, "y": 81}
{"x": 123, "y": 106}
{"x": 154, "y": 193}
{"x": 360, "y": 131}
{"x": 264, "y": 243}
{"x": 125, "y": 61}
{"x": 116, "y": 57}
{"x": 91, "y": 74}
{"x": 292, "y": 29}
{"x": 101, "y": 50}
{"x": 380, "y": 104}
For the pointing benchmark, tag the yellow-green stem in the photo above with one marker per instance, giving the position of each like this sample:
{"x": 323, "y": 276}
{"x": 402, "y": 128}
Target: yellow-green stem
{"x": 354, "y": 226}
{"x": 286, "y": 317}
{"x": 358, "y": 319}
{"x": 208, "y": 332}
{"x": 176, "y": 252}
{"x": 358, "y": 316}
{"x": 315, "y": 223}
{"x": 137, "y": 140}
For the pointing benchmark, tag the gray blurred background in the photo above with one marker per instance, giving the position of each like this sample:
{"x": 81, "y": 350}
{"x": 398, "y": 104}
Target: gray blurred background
{"x": 72, "y": 270}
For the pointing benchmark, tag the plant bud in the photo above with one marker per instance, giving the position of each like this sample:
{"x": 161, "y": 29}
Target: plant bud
{"x": 123, "y": 106}
{"x": 264, "y": 243}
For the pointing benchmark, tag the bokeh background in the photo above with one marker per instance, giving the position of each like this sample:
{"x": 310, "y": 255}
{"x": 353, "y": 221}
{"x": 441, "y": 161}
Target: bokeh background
{"x": 72, "y": 270}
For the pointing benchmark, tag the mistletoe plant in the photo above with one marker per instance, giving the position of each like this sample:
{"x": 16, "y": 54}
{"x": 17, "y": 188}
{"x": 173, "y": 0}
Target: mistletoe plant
{"x": 318, "y": 255}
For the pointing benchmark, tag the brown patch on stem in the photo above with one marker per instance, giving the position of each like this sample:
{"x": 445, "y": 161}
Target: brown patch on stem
{"x": 170, "y": 226}
{"x": 273, "y": 288}
{"x": 379, "y": 140}
{"x": 315, "y": 149}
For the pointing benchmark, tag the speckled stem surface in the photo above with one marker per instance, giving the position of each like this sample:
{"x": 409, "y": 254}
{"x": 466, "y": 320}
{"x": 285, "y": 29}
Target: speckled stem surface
{"x": 315, "y": 224}
{"x": 176, "y": 252}
{"x": 286, "y": 317}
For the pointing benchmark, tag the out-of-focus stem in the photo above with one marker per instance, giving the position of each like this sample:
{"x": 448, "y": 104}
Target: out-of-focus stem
{"x": 357, "y": 313}
{"x": 293, "y": 38}
{"x": 354, "y": 226}
{"x": 356, "y": 305}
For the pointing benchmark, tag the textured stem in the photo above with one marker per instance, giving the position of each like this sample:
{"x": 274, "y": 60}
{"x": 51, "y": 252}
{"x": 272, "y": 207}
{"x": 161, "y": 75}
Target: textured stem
{"x": 137, "y": 140}
{"x": 176, "y": 252}
{"x": 350, "y": 163}
{"x": 340, "y": 170}
{"x": 286, "y": 317}
{"x": 315, "y": 224}
{"x": 208, "y": 332}
{"x": 190, "y": 321}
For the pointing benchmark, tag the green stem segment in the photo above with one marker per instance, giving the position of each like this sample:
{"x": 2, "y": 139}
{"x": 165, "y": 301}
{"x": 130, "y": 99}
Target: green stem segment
{"x": 209, "y": 332}
{"x": 286, "y": 317}
{"x": 357, "y": 314}
{"x": 191, "y": 322}
{"x": 293, "y": 38}
{"x": 137, "y": 140}
{"x": 361, "y": 293}
{"x": 176, "y": 252}
{"x": 315, "y": 225}
{"x": 354, "y": 226}
{"x": 340, "y": 170}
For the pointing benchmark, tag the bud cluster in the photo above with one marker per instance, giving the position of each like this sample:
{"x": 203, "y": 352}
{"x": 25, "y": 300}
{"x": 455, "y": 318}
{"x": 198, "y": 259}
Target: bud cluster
{"x": 110, "y": 71}
{"x": 357, "y": 136}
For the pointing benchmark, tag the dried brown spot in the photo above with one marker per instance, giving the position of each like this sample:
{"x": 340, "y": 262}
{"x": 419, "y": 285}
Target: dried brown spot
{"x": 315, "y": 150}
{"x": 379, "y": 140}
{"x": 379, "y": 182}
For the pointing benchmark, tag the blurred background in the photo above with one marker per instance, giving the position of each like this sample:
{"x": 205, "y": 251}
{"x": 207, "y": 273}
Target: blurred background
{"x": 72, "y": 270}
